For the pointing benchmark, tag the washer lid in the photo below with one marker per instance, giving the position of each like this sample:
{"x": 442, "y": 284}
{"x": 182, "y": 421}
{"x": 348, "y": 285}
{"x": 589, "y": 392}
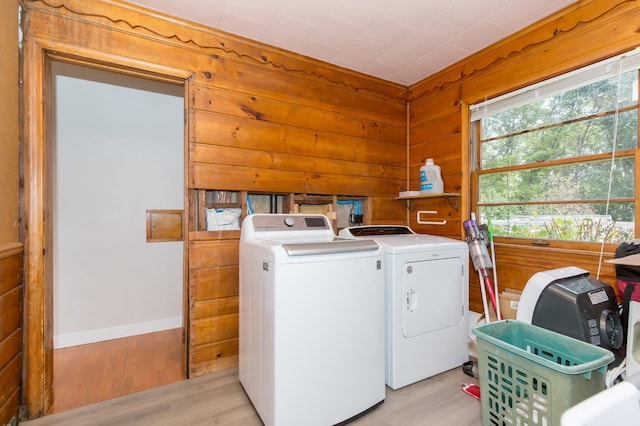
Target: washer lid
{"x": 333, "y": 247}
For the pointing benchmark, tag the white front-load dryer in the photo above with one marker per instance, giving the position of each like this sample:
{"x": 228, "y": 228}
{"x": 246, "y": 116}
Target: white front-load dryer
{"x": 427, "y": 302}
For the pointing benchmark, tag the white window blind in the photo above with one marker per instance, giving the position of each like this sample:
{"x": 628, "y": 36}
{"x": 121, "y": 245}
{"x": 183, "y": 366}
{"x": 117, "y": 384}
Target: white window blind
{"x": 553, "y": 86}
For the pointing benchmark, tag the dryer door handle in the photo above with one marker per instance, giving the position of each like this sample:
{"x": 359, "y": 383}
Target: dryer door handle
{"x": 412, "y": 300}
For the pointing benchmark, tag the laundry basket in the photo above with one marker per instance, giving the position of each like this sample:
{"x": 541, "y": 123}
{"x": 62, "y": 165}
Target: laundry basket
{"x": 530, "y": 375}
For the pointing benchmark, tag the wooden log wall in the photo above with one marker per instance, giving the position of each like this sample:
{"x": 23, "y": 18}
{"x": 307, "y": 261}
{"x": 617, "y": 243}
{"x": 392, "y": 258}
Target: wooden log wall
{"x": 9, "y": 131}
{"x": 583, "y": 33}
{"x": 257, "y": 119}
{"x": 10, "y": 330}
{"x": 10, "y": 249}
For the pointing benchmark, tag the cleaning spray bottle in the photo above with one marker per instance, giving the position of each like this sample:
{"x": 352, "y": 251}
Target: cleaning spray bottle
{"x": 430, "y": 178}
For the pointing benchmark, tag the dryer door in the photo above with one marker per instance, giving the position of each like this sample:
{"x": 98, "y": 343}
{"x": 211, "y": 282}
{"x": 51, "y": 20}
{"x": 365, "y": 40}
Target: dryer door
{"x": 433, "y": 295}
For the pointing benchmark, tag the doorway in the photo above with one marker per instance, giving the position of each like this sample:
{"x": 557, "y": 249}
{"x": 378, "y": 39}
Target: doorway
{"x": 117, "y": 150}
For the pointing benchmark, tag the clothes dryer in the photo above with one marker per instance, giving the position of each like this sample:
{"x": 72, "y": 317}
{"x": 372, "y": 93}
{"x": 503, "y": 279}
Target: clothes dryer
{"x": 426, "y": 302}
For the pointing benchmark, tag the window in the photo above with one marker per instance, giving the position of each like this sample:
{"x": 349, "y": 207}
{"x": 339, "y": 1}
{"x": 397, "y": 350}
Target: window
{"x": 556, "y": 161}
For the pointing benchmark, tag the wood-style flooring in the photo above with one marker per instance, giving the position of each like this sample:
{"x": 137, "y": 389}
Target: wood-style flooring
{"x": 218, "y": 399}
{"x": 101, "y": 371}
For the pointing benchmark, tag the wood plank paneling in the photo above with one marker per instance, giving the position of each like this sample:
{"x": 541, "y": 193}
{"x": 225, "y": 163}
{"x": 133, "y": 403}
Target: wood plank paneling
{"x": 222, "y": 155}
{"x": 10, "y": 250}
{"x": 436, "y": 128}
{"x": 10, "y": 330}
{"x": 214, "y": 283}
{"x": 283, "y": 110}
{"x": 248, "y": 178}
{"x": 242, "y": 132}
{"x": 216, "y": 307}
{"x": 214, "y": 357}
{"x": 11, "y": 271}
{"x": 10, "y": 129}
{"x": 382, "y": 212}
{"x": 204, "y": 254}
{"x": 215, "y": 328}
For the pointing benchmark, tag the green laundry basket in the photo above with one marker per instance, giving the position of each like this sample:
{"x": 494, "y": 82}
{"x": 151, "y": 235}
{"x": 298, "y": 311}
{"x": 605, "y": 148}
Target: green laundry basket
{"x": 530, "y": 375}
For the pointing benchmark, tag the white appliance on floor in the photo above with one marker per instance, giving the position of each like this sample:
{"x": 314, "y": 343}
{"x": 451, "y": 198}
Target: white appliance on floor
{"x": 633, "y": 343}
{"x": 427, "y": 301}
{"x": 311, "y": 321}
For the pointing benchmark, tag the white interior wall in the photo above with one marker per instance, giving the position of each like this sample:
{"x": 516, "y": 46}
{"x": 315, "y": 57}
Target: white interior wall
{"x": 118, "y": 151}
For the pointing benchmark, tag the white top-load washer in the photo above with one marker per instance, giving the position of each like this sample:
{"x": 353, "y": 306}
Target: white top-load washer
{"x": 427, "y": 301}
{"x": 311, "y": 321}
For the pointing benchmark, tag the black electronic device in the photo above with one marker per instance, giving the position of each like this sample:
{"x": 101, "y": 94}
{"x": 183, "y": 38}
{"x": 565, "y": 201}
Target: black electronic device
{"x": 570, "y": 302}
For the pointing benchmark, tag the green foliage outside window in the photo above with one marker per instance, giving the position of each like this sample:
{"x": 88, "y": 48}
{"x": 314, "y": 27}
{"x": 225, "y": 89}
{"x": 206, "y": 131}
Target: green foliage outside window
{"x": 545, "y": 167}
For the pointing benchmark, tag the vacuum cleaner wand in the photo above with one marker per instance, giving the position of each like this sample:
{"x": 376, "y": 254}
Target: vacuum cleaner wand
{"x": 481, "y": 262}
{"x": 477, "y": 247}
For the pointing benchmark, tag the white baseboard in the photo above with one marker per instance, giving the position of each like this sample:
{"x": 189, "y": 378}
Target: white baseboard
{"x": 99, "y": 335}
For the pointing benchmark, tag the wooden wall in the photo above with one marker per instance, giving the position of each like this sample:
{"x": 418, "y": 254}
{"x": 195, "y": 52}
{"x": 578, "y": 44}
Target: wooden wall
{"x": 9, "y": 129}
{"x": 257, "y": 119}
{"x": 583, "y": 33}
{"x": 10, "y": 330}
{"x": 10, "y": 248}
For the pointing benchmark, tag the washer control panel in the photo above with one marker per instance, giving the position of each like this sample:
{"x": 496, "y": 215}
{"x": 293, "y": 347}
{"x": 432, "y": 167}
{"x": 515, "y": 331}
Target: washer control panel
{"x": 292, "y": 222}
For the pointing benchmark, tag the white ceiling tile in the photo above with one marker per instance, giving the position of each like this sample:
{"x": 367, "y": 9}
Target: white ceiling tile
{"x": 401, "y": 56}
{"x": 376, "y": 68}
{"x": 432, "y": 35}
{"x": 400, "y": 40}
{"x": 358, "y": 53}
{"x": 384, "y": 34}
{"x": 242, "y": 26}
{"x": 255, "y": 10}
{"x": 519, "y": 14}
{"x": 320, "y": 51}
{"x": 443, "y": 56}
{"x": 161, "y": 5}
{"x": 336, "y": 32}
{"x": 416, "y": 13}
{"x": 479, "y": 36}
{"x": 464, "y": 14}
{"x": 411, "y": 73}
{"x": 314, "y": 12}
{"x": 363, "y": 12}
{"x": 288, "y": 33}
{"x": 203, "y": 11}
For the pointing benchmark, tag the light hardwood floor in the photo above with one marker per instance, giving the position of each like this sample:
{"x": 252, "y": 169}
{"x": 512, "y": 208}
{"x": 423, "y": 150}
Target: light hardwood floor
{"x": 101, "y": 371}
{"x": 218, "y": 399}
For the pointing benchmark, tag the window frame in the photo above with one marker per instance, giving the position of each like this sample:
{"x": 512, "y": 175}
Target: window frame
{"x": 528, "y": 94}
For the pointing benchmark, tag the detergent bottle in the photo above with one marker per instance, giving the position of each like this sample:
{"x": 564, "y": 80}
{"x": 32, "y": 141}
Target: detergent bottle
{"x": 430, "y": 178}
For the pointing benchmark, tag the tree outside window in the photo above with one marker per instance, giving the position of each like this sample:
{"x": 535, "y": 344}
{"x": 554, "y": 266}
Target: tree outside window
{"x": 561, "y": 167}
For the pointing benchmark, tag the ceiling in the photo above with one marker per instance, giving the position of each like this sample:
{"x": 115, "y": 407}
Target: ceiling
{"x": 402, "y": 41}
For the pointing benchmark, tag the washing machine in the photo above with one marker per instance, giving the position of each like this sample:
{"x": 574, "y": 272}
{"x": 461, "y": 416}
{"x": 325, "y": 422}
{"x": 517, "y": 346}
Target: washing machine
{"x": 311, "y": 321}
{"x": 427, "y": 302}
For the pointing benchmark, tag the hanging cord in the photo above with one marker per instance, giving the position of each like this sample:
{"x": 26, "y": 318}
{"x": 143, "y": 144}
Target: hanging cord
{"x": 495, "y": 270}
{"x": 613, "y": 158}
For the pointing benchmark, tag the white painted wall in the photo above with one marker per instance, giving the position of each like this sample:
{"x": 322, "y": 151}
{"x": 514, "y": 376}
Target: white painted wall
{"x": 118, "y": 151}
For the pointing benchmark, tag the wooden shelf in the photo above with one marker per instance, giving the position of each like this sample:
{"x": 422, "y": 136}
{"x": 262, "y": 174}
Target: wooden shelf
{"x": 448, "y": 195}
